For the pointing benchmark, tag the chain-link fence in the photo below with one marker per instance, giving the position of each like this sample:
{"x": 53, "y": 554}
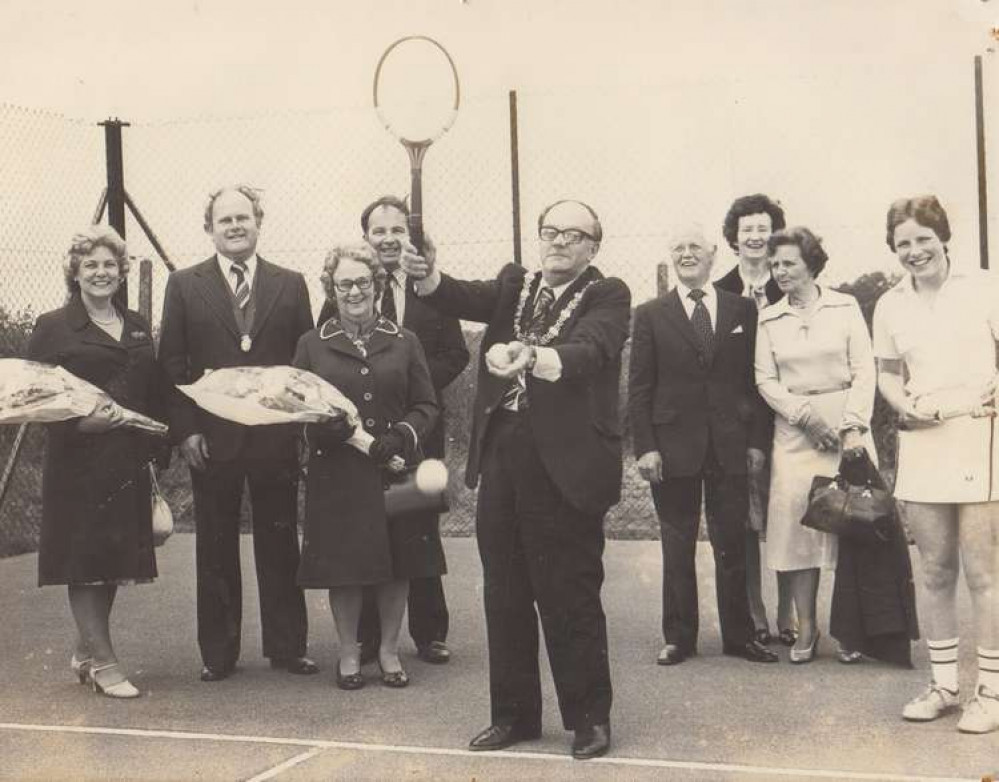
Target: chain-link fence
{"x": 647, "y": 159}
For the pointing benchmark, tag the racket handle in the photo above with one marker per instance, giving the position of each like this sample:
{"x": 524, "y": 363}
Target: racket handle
{"x": 416, "y": 208}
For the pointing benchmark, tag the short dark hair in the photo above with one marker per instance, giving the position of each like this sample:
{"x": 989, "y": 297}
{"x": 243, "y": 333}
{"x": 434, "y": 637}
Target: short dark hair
{"x": 754, "y": 204}
{"x": 925, "y": 210}
{"x": 388, "y": 201}
{"x": 598, "y": 231}
{"x": 251, "y": 193}
{"x": 807, "y": 242}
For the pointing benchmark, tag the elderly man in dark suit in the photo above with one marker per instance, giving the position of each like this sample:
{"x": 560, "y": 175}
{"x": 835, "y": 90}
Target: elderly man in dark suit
{"x": 696, "y": 420}
{"x": 236, "y": 309}
{"x": 546, "y": 441}
{"x": 385, "y": 226}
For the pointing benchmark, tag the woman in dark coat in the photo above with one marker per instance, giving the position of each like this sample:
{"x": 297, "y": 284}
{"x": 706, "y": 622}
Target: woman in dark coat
{"x": 349, "y": 542}
{"x": 96, "y": 509}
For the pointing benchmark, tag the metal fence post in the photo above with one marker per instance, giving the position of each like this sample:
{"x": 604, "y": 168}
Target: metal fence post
{"x": 983, "y": 187}
{"x": 515, "y": 176}
{"x": 116, "y": 188}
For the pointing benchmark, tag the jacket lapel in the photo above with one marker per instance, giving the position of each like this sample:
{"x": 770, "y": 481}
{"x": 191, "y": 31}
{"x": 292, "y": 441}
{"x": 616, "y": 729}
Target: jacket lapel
{"x": 677, "y": 316}
{"x": 726, "y": 316}
{"x": 268, "y": 282}
{"x": 215, "y": 291}
{"x": 92, "y": 334}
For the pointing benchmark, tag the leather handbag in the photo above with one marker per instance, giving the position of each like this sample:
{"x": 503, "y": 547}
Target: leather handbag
{"x": 864, "y": 513}
{"x": 162, "y": 515}
{"x": 417, "y": 489}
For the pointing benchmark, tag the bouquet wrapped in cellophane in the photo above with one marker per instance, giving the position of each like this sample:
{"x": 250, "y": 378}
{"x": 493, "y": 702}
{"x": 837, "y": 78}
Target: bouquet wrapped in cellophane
{"x": 32, "y": 392}
{"x": 256, "y": 396}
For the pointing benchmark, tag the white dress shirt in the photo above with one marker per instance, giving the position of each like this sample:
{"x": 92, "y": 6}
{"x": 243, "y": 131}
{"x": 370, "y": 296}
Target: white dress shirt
{"x": 710, "y": 301}
{"x": 226, "y": 264}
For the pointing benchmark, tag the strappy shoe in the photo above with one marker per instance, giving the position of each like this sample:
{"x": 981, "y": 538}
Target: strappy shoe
{"x": 849, "y": 656}
{"x": 787, "y": 636}
{"x": 80, "y": 668}
{"x": 122, "y": 688}
{"x": 935, "y": 701}
{"x": 395, "y": 679}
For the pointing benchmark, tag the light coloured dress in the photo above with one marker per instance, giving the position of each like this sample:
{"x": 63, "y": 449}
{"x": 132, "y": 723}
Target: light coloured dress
{"x": 820, "y": 360}
{"x": 948, "y": 347}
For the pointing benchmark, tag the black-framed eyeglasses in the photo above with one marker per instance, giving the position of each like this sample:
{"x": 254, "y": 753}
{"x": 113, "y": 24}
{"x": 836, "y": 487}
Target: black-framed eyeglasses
{"x": 362, "y": 283}
{"x": 571, "y": 235}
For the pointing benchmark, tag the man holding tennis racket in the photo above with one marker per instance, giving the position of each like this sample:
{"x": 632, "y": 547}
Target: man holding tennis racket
{"x": 546, "y": 441}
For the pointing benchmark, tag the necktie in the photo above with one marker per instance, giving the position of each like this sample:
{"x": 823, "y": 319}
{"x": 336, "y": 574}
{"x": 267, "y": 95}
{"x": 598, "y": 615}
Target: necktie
{"x": 701, "y": 321}
{"x": 242, "y": 287}
{"x": 388, "y": 300}
{"x": 542, "y": 306}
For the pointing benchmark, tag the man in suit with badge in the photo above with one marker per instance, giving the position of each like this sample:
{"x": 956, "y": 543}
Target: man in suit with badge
{"x": 696, "y": 422}
{"x": 236, "y": 309}
{"x": 546, "y": 441}
{"x": 385, "y": 225}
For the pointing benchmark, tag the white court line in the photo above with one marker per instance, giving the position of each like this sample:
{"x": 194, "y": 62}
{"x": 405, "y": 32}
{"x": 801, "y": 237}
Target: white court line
{"x": 318, "y": 745}
{"x": 289, "y": 763}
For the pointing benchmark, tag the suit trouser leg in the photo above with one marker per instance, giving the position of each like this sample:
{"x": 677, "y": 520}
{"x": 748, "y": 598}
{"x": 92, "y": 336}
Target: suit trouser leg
{"x": 283, "y": 619}
{"x": 511, "y": 621}
{"x": 217, "y": 495}
{"x": 428, "y": 614}
{"x": 678, "y": 505}
{"x": 727, "y": 499}
{"x": 564, "y": 550}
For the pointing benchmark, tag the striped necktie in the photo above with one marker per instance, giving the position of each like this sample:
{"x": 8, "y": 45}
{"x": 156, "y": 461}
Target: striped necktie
{"x": 242, "y": 286}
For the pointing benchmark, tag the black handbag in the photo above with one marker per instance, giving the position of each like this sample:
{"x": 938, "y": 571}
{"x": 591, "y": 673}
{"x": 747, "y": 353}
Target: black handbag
{"x": 405, "y": 492}
{"x": 861, "y": 510}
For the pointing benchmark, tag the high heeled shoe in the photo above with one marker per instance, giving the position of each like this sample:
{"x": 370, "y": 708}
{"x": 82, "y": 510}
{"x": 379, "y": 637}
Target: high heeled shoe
{"x": 122, "y": 688}
{"x": 80, "y": 668}
{"x": 799, "y": 656}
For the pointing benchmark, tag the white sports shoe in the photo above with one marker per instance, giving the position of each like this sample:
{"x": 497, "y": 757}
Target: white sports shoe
{"x": 981, "y": 713}
{"x": 933, "y": 702}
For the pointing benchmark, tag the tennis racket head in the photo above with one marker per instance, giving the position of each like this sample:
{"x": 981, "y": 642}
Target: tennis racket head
{"x": 416, "y": 91}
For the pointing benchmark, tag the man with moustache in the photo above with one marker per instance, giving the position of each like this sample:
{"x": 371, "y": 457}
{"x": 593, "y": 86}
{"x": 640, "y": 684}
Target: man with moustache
{"x": 696, "y": 420}
{"x": 236, "y": 309}
{"x": 385, "y": 226}
{"x": 546, "y": 441}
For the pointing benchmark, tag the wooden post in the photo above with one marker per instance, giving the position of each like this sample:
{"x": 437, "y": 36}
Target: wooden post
{"x": 662, "y": 278}
{"x": 146, "y": 290}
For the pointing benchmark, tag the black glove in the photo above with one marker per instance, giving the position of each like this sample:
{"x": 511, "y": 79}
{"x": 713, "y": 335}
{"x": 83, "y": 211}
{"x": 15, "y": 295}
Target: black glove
{"x": 392, "y": 443}
{"x": 332, "y": 433}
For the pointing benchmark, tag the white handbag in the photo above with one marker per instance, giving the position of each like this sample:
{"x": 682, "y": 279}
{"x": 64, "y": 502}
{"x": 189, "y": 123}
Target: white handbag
{"x": 162, "y": 515}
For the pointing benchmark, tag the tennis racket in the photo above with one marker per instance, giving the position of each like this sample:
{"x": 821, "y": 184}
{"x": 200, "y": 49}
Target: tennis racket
{"x": 416, "y": 96}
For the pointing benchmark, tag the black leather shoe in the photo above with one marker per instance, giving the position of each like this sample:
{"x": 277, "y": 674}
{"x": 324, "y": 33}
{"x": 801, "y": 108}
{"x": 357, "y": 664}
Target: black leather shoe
{"x": 215, "y": 674}
{"x": 591, "y": 742}
{"x": 501, "y": 736}
{"x": 350, "y": 681}
{"x": 672, "y": 654}
{"x": 435, "y": 652}
{"x": 300, "y": 665}
{"x": 752, "y": 651}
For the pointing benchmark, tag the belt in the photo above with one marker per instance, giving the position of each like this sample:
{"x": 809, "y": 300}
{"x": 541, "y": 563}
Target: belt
{"x": 819, "y": 391}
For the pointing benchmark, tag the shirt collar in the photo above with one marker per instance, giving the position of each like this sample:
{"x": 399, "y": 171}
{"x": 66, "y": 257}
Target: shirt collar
{"x": 827, "y": 298}
{"x": 750, "y": 285}
{"x": 907, "y": 286}
{"x": 399, "y": 275}
{"x": 684, "y": 292}
{"x": 226, "y": 264}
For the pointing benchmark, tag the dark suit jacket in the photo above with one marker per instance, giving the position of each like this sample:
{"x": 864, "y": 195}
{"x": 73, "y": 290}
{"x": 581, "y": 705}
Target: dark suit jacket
{"x": 732, "y": 283}
{"x": 199, "y": 333}
{"x": 574, "y": 420}
{"x": 445, "y": 350}
{"x": 678, "y": 398}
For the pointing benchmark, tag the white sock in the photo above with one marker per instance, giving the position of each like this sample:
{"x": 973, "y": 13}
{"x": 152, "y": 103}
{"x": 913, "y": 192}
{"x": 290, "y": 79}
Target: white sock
{"x": 943, "y": 663}
{"x": 988, "y": 668}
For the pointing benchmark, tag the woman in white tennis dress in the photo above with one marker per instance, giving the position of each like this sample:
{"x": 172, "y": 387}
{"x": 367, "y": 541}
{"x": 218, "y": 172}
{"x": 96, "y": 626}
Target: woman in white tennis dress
{"x": 935, "y": 337}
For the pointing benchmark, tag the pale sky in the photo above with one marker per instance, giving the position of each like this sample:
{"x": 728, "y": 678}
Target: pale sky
{"x": 654, "y": 112}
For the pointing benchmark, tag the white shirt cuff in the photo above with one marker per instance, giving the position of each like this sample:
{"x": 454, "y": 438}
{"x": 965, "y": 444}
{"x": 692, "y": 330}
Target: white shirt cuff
{"x": 548, "y": 366}
{"x": 428, "y": 284}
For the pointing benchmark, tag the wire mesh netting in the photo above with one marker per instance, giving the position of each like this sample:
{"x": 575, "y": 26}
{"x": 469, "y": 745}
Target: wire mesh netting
{"x": 646, "y": 158}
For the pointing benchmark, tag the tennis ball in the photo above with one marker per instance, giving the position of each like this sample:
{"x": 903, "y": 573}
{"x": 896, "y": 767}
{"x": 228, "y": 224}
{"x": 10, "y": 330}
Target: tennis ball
{"x": 431, "y": 476}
